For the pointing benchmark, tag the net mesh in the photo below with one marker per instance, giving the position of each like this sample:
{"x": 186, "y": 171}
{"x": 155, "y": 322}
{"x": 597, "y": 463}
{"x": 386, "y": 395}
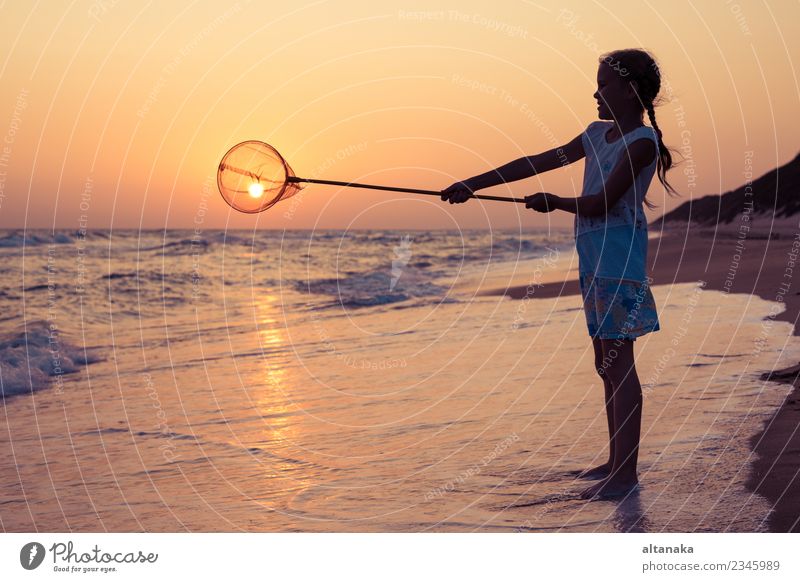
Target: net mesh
{"x": 253, "y": 177}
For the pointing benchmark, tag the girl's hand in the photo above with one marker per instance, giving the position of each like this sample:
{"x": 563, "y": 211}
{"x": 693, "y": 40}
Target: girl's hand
{"x": 458, "y": 192}
{"x": 541, "y": 202}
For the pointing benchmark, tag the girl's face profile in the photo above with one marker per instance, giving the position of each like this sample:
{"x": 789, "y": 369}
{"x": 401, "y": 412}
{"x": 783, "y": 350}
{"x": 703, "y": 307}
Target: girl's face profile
{"x": 613, "y": 94}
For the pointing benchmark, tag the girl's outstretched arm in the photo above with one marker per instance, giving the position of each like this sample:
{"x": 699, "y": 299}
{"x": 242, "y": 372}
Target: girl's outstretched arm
{"x": 640, "y": 154}
{"x": 519, "y": 169}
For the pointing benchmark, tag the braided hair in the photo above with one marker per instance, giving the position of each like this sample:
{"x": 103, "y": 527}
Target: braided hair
{"x": 639, "y": 67}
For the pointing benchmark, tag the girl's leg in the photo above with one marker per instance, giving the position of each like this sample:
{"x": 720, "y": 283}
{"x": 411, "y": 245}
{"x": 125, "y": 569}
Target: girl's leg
{"x": 603, "y": 470}
{"x": 627, "y": 406}
{"x": 627, "y": 409}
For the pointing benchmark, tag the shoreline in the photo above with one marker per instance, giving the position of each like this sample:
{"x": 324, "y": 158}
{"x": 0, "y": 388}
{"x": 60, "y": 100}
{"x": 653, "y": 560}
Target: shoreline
{"x": 757, "y": 257}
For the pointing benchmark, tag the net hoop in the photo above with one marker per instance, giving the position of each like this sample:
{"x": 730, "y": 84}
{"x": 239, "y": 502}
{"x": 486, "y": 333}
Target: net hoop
{"x": 253, "y": 176}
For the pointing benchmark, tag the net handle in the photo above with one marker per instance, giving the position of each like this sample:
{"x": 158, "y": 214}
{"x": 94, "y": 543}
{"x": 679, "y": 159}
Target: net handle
{"x": 295, "y": 179}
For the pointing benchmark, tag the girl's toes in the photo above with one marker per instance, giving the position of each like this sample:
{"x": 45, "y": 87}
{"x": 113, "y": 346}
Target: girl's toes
{"x": 592, "y": 491}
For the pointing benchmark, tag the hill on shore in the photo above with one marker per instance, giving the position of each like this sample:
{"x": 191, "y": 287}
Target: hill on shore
{"x": 776, "y": 193}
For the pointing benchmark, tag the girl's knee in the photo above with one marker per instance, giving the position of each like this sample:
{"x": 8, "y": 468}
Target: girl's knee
{"x": 619, "y": 371}
{"x": 617, "y": 362}
{"x": 599, "y": 367}
{"x": 598, "y": 358}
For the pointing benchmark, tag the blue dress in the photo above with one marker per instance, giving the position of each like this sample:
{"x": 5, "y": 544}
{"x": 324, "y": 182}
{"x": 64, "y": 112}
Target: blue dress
{"x": 612, "y": 249}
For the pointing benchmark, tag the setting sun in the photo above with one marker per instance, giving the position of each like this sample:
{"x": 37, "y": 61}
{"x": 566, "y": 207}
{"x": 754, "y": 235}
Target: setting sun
{"x": 255, "y": 189}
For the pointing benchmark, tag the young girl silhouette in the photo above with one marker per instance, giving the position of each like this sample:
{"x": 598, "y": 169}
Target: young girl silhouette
{"x": 622, "y": 155}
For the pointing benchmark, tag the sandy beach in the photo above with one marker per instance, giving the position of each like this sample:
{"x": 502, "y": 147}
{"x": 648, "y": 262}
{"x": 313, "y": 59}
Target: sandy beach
{"x": 757, "y": 257}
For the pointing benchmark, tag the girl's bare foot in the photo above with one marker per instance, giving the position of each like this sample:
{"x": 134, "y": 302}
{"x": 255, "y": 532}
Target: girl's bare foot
{"x": 614, "y": 486}
{"x": 599, "y": 472}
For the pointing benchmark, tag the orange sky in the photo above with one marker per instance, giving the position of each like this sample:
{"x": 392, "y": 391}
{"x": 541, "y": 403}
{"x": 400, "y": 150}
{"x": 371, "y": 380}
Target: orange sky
{"x": 117, "y": 113}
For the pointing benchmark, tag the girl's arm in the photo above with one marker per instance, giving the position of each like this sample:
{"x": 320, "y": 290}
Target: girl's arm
{"x": 517, "y": 170}
{"x": 640, "y": 155}
{"x": 530, "y": 165}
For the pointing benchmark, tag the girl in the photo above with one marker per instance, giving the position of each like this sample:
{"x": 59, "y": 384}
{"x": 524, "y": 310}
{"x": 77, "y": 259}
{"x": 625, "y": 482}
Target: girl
{"x": 622, "y": 155}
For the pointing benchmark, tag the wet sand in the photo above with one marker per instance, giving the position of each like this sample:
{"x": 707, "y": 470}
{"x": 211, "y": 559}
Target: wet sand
{"x": 757, "y": 256}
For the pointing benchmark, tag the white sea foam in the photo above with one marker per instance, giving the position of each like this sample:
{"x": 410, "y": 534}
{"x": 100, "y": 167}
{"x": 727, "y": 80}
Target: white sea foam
{"x": 36, "y": 357}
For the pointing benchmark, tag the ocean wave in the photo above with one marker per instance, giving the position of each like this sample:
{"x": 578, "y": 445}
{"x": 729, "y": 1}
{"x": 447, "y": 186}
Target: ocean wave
{"x": 515, "y": 245}
{"x": 466, "y": 257}
{"x": 23, "y": 239}
{"x": 147, "y": 292}
{"x": 143, "y": 276}
{"x": 206, "y": 444}
{"x": 41, "y": 287}
{"x": 373, "y": 288}
{"x": 252, "y": 239}
{"x": 32, "y": 358}
{"x": 189, "y": 246}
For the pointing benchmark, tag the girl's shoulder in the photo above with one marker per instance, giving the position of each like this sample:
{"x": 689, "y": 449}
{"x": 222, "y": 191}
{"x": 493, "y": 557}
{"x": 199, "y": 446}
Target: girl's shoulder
{"x": 594, "y": 138}
{"x": 594, "y": 135}
{"x": 644, "y": 131}
{"x": 603, "y": 127}
{"x": 598, "y": 127}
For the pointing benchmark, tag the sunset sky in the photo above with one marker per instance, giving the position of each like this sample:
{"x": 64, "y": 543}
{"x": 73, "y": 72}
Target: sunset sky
{"x": 117, "y": 113}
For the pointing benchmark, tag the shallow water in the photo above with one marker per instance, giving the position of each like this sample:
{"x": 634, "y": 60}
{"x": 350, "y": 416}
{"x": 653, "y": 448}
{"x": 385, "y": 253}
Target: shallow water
{"x": 355, "y": 382}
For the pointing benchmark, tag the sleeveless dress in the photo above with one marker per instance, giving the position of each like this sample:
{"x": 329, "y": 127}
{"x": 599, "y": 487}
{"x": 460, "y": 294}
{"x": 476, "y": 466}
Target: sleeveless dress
{"x": 612, "y": 248}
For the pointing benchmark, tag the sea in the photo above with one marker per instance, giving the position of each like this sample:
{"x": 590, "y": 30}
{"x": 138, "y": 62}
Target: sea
{"x": 357, "y": 381}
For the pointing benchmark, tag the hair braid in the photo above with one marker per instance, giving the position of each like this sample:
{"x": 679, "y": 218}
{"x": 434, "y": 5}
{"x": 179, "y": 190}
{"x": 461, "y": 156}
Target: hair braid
{"x": 663, "y": 153}
{"x": 651, "y": 113}
{"x": 643, "y": 72}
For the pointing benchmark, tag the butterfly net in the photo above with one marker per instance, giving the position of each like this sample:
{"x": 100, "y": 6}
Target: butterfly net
{"x": 253, "y": 176}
